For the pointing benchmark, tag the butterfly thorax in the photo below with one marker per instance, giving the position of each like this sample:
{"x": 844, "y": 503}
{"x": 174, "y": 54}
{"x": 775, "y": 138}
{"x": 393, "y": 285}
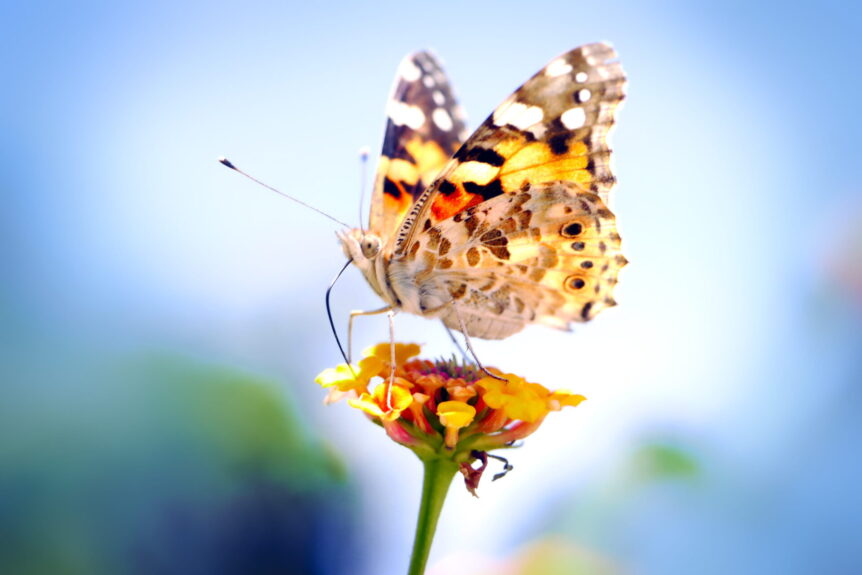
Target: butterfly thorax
{"x": 364, "y": 249}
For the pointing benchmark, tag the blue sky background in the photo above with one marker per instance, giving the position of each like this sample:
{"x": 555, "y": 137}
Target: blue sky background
{"x": 737, "y": 337}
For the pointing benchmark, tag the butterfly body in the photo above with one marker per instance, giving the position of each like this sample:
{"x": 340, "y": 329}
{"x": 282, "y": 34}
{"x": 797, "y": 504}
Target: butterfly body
{"x": 510, "y": 227}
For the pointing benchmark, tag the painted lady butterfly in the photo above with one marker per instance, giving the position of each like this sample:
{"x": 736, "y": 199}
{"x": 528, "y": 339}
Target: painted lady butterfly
{"x": 510, "y": 227}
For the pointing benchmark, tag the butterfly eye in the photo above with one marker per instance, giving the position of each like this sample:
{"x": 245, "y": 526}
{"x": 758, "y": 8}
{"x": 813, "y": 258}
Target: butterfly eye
{"x": 370, "y": 246}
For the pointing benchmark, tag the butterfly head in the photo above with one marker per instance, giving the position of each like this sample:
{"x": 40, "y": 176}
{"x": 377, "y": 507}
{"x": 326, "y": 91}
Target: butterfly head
{"x": 361, "y": 246}
{"x": 364, "y": 249}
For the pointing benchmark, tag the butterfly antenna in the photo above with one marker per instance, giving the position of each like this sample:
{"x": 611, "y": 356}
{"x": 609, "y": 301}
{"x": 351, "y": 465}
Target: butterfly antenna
{"x": 225, "y": 162}
{"x": 329, "y": 314}
{"x": 364, "y": 151}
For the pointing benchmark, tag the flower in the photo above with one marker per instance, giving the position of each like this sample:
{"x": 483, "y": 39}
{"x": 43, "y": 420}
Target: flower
{"x": 454, "y": 415}
{"x": 347, "y": 377}
{"x": 443, "y": 409}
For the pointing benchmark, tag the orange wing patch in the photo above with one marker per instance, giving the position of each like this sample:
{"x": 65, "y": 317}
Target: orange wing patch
{"x": 400, "y": 178}
{"x": 447, "y": 205}
{"x": 429, "y": 157}
{"x": 396, "y": 178}
{"x": 537, "y": 162}
{"x": 518, "y": 162}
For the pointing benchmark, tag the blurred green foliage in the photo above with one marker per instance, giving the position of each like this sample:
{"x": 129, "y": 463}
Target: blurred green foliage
{"x": 656, "y": 461}
{"x": 167, "y": 466}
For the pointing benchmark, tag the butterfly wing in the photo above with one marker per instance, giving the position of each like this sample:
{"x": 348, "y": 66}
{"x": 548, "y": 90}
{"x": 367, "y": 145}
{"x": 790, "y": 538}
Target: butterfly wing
{"x": 516, "y": 228}
{"x": 424, "y": 127}
{"x": 554, "y": 127}
{"x": 548, "y": 254}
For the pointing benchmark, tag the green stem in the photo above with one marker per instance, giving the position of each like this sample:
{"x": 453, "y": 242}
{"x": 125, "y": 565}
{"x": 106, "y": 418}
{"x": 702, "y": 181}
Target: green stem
{"x": 435, "y": 485}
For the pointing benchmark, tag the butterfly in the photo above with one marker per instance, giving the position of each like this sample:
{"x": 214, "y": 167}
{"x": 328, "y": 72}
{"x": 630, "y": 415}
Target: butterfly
{"x": 509, "y": 226}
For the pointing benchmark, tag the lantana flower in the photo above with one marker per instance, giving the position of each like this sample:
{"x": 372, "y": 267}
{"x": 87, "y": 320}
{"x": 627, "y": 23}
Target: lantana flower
{"x": 451, "y": 414}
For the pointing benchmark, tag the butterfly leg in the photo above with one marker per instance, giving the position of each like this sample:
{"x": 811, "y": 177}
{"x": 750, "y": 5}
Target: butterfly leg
{"x": 470, "y": 345}
{"x": 357, "y": 313}
{"x": 455, "y": 341}
{"x": 391, "y": 314}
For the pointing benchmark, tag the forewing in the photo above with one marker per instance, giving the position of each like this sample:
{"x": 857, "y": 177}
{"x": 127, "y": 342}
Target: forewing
{"x": 424, "y": 127}
{"x": 553, "y": 128}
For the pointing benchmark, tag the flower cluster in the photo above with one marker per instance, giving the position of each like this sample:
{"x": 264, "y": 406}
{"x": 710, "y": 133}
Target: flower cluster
{"x": 443, "y": 408}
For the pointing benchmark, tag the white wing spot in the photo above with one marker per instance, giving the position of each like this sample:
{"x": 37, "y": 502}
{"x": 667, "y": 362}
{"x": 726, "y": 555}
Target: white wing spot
{"x": 428, "y": 81}
{"x": 519, "y": 115}
{"x": 409, "y": 71}
{"x": 438, "y": 97}
{"x": 558, "y": 68}
{"x": 584, "y": 95}
{"x": 581, "y": 77}
{"x": 402, "y": 114}
{"x": 573, "y": 118}
{"x": 538, "y": 131}
{"x": 442, "y": 119}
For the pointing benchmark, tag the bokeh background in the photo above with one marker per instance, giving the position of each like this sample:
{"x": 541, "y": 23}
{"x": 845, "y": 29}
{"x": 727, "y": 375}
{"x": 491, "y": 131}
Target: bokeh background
{"x": 163, "y": 319}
